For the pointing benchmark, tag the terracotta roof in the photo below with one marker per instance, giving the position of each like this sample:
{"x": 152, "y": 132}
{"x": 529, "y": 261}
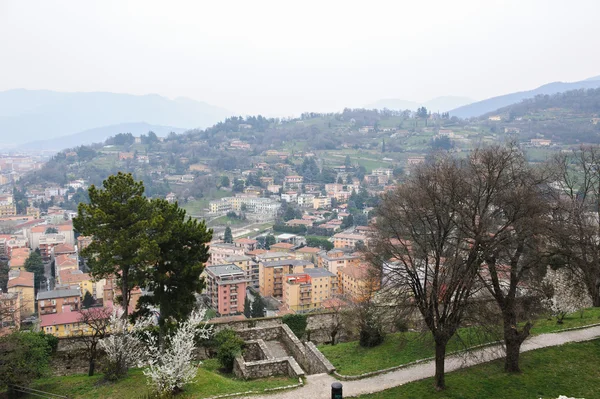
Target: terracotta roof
{"x": 25, "y": 279}
{"x": 65, "y": 317}
{"x": 282, "y": 245}
{"x": 73, "y": 276}
{"x": 64, "y": 248}
{"x": 66, "y": 260}
{"x": 310, "y": 250}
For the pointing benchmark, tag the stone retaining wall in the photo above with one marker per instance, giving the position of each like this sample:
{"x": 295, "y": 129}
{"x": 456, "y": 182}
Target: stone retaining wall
{"x": 267, "y": 368}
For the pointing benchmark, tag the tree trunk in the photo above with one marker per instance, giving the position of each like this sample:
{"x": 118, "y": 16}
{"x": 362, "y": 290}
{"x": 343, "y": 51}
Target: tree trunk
{"x": 513, "y": 338}
{"x": 92, "y": 367}
{"x": 440, "y": 357}
{"x": 124, "y": 296}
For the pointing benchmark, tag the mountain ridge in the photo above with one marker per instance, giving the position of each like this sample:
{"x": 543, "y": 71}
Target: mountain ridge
{"x": 33, "y": 115}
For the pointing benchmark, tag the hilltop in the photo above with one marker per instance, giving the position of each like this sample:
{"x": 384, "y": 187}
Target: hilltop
{"x": 483, "y": 107}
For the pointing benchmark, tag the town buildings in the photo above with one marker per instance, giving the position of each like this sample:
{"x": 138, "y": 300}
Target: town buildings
{"x": 226, "y": 288}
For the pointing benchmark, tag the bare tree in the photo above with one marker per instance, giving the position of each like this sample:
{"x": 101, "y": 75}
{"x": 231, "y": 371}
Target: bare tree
{"x": 95, "y": 322}
{"x": 509, "y": 202}
{"x": 576, "y": 231}
{"x": 423, "y": 251}
{"x": 458, "y": 229}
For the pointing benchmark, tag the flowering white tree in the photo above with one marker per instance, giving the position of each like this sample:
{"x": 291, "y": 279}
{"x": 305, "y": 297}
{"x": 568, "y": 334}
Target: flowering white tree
{"x": 123, "y": 347}
{"x": 569, "y": 293}
{"x": 170, "y": 369}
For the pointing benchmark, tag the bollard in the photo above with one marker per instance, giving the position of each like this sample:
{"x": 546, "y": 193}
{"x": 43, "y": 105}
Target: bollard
{"x": 336, "y": 391}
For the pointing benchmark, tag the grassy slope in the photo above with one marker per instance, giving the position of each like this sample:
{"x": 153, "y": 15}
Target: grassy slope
{"x": 570, "y": 370}
{"x": 401, "y": 348}
{"x": 209, "y": 382}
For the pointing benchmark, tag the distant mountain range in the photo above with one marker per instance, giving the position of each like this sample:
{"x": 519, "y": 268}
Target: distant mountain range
{"x": 438, "y": 104}
{"x": 97, "y": 135}
{"x": 34, "y": 115}
{"x": 491, "y": 104}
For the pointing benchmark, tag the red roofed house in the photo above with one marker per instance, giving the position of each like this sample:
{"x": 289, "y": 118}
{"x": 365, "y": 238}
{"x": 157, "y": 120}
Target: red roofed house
{"x": 18, "y": 256}
{"x": 21, "y": 282}
{"x": 65, "y": 262}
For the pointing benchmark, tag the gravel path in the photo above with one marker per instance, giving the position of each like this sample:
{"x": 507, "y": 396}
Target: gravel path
{"x": 318, "y": 386}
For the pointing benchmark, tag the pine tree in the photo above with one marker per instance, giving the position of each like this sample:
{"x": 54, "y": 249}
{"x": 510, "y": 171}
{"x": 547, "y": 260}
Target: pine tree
{"x": 228, "y": 237}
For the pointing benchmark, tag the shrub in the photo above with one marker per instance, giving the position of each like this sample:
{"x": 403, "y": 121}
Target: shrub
{"x": 230, "y": 345}
{"x": 24, "y": 357}
{"x": 401, "y": 325}
{"x": 297, "y": 323}
{"x": 371, "y": 334}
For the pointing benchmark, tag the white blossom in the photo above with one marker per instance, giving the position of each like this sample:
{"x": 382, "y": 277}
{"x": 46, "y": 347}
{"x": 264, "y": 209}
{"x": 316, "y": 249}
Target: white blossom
{"x": 169, "y": 370}
{"x": 569, "y": 293}
{"x": 123, "y": 347}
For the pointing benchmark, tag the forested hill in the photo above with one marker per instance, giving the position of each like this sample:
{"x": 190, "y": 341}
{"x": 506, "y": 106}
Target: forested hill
{"x": 570, "y": 117}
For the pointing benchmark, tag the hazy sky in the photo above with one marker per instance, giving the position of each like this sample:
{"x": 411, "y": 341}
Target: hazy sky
{"x": 284, "y": 57}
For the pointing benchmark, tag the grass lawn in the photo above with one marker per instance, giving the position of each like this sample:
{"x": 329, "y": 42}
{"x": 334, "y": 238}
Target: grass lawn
{"x": 209, "y": 382}
{"x": 400, "y": 348}
{"x": 197, "y": 207}
{"x": 570, "y": 370}
{"x": 227, "y": 221}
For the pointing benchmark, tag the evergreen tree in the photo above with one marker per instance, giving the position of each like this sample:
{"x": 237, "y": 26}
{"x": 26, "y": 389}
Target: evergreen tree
{"x": 34, "y": 264}
{"x": 88, "y": 300}
{"x": 383, "y": 146}
{"x": 4, "y": 269}
{"x": 228, "y": 237}
{"x": 119, "y": 218}
{"x": 247, "y": 308}
{"x": 258, "y": 307}
{"x": 174, "y": 278}
{"x": 269, "y": 240}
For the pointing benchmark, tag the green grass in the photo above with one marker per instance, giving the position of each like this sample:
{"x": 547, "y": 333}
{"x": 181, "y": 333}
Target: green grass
{"x": 350, "y": 358}
{"x": 197, "y": 207}
{"x": 209, "y": 382}
{"x": 226, "y": 221}
{"x": 571, "y": 370}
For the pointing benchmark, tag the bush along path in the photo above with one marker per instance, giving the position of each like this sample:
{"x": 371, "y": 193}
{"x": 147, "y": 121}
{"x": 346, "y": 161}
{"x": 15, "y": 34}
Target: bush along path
{"x": 318, "y": 386}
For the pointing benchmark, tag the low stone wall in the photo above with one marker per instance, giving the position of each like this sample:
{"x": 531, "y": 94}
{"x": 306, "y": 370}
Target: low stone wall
{"x": 267, "y": 368}
{"x": 256, "y": 350}
{"x": 264, "y": 333}
{"x": 317, "y": 362}
{"x": 69, "y": 362}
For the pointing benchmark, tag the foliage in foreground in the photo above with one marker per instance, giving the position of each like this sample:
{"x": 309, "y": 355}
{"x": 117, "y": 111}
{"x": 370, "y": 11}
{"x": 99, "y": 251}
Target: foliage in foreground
{"x": 171, "y": 368}
{"x": 230, "y": 345}
{"x": 24, "y": 357}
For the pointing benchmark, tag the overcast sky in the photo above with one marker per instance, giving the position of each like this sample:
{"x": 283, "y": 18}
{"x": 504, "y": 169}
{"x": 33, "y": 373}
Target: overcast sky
{"x": 284, "y": 57}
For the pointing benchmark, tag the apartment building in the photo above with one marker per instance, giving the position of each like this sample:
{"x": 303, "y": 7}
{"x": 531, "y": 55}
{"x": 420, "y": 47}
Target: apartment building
{"x": 22, "y": 282}
{"x": 336, "y": 258}
{"x": 18, "y": 256}
{"x": 271, "y": 274}
{"x": 248, "y": 265}
{"x": 226, "y": 288}
{"x": 308, "y": 290}
{"x": 219, "y": 251}
{"x": 356, "y": 282}
{"x": 57, "y": 300}
{"x": 348, "y": 240}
